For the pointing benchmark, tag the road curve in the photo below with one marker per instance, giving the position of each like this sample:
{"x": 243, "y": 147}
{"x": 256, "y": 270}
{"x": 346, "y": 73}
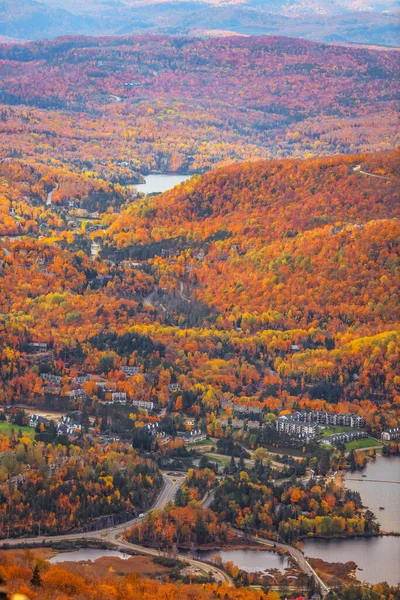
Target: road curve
{"x": 297, "y": 556}
{"x": 114, "y": 535}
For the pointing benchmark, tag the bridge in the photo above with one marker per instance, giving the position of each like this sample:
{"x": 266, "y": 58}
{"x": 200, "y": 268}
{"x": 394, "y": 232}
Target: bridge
{"x": 373, "y": 480}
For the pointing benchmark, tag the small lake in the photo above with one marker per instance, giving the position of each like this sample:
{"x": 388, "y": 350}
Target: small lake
{"x": 86, "y": 554}
{"x": 375, "y": 492}
{"x": 379, "y": 557}
{"x": 252, "y": 561}
{"x": 160, "y": 182}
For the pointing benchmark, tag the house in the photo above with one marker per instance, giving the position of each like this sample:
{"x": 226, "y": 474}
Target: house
{"x": 130, "y": 371}
{"x": 247, "y": 409}
{"x": 143, "y": 404}
{"x": 74, "y": 394}
{"x": 51, "y": 378}
{"x": 253, "y": 424}
{"x": 343, "y": 438}
{"x": 81, "y": 379}
{"x": 174, "y": 387}
{"x": 68, "y": 426}
{"x": 167, "y": 252}
{"x": 393, "y": 433}
{"x": 162, "y": 437}
{"x": 38, "y": 347}
{"x": 326, "y": 418}
{"x": 192, "y": 437}
{"x": 35, "y": 420}
{"x": 307, "y": 431}
{"x": 52, "y": 389}
{"x": 237, "y": 423}
{"x": 119, "y": 397}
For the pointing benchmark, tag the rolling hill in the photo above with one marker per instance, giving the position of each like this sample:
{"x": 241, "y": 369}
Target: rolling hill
{"x": 341, "y": 21}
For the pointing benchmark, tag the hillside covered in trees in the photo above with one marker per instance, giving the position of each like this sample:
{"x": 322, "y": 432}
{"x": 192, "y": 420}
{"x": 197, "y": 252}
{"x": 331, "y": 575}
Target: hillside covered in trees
{"x": 118, "y": 107}
{"x": 269, "y": 283}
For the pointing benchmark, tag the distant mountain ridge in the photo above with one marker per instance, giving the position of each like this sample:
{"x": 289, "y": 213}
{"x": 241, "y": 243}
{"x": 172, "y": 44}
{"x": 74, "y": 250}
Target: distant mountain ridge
{"x": 345, "y": 21}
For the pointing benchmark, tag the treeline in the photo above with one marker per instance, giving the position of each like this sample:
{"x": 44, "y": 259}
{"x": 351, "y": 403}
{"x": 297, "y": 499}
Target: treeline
{"x": 181, "y": 526}
{"x": 56, "y": 489}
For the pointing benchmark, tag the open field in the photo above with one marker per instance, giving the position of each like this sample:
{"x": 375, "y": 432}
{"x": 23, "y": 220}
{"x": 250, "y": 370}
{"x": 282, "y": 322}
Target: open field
{"x": 203, "y": 443}
{"x": 327, "y": 431}
{"x": 6, "y": 427}
{"x": 364, "y": 443}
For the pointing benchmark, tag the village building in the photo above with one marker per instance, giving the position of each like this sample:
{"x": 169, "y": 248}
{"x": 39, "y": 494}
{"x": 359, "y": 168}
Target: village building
{"x": 119, "y": 397}
{"x": 393, "y": 433}
{"x": 147, "y": 405}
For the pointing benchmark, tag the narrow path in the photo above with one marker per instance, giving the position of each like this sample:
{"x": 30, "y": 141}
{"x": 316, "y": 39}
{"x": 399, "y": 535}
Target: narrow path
{"x": 50, "y": 195}
{"x": 148, "y": 300}
{"x": 358, "y": 169}
{"x": 181, "y": 293}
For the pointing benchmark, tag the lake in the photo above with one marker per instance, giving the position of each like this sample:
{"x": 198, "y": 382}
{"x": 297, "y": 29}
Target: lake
{"x": 375, "y": 493}
{"x": 252, "y": 561}
{"x": 159, "y": 182}
{"x": 379, "y": 557}
{"x": 86, "y": 554}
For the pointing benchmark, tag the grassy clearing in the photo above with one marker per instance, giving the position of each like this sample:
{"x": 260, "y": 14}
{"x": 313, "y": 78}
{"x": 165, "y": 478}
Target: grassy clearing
{"x": 218, "y": 459}
{"x": 363, "y": 443}
{"x": 203, "y": 443}
{"x": 6, "y": 427}
{"x": 331, "y": 429}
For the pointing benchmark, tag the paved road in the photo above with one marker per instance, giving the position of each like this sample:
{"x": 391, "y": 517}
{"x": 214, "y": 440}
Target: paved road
{"x": 171, "y": 484}
{"x": 114, "y": 535}
{"x": 297, "y": 556}
{"x": 359, "y": 170}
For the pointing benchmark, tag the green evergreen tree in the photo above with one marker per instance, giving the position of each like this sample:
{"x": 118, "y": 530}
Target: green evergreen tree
{"x": 36, "y": 579}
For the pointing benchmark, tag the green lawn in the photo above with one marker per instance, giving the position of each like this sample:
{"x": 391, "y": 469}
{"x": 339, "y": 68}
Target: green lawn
{"x": 6, "y": 427}
{"x": 363, "y": 443}
{"x": 218, "y": 459}
{"x": 203, "y": 443}
{"x": 331, "y": 429}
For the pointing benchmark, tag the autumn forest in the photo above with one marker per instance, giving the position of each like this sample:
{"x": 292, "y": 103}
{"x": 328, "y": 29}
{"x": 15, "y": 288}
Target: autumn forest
{"x": 197, "y": 370}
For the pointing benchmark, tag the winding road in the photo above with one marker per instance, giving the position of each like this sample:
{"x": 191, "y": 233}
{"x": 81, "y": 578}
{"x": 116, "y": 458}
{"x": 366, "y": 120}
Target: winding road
{"x": 358, "y": 169}
{"x": 114, "y": 535}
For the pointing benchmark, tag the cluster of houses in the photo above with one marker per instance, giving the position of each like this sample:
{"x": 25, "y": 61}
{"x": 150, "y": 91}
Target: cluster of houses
{"x": 192, "y": 437}
{"x": 306, "y": 425}
{"x": 238, "y": 423}
{"x": 53, "y": 385}
{"x": 68, "y": 425}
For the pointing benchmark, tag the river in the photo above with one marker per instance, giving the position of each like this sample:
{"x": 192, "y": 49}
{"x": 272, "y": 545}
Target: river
{"x": 378, "y": 558}
{"x": 159, "y": 182}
